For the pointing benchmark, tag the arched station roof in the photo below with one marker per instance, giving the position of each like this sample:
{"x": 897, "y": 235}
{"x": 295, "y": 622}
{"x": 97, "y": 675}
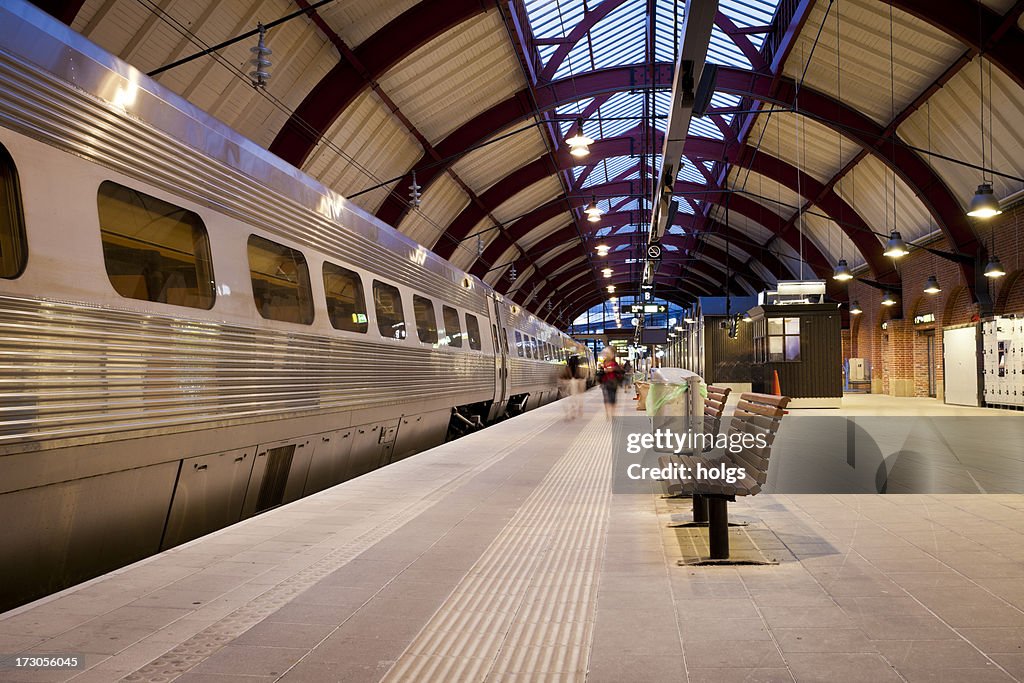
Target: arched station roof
{"x": 816, "y": 144}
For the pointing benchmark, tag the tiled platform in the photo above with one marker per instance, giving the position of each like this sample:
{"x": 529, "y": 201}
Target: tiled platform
{"x": 505, "y": 556}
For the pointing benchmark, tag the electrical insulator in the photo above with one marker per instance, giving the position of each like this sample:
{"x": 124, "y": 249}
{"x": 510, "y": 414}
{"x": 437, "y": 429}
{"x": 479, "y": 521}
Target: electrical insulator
{"x": 260, "y": 53}
{"x": 414, "y": 192}
{"x": 479, "y": 245}
{"x": 512, "y": 274}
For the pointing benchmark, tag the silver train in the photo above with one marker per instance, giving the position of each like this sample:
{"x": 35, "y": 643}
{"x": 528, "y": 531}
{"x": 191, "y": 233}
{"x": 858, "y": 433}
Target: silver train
{"x": 193, "y": 331}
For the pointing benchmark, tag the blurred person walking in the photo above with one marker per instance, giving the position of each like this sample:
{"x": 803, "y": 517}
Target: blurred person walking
{"x": 568, "y": 382}
{"x": 610, "y": 376}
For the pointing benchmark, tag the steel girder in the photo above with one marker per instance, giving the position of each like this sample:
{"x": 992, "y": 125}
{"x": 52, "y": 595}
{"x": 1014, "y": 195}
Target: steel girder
{"x": 402, "y": 36}
{"x": 968, "y": 21}
{"x": 908, "y": 164}
{"x": 516, "y": 109}
{"x": 525, "y": 176}
{"x": 568, "y": 236}
{"x": 696, "y": 148}
{"x": 527, "y": 223}
{"x": 739, "y": 203}
{"x": 682, "y": 261}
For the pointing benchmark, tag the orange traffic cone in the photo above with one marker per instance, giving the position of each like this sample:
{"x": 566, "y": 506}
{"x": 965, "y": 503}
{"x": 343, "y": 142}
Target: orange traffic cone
{"x": 776, "y": 389}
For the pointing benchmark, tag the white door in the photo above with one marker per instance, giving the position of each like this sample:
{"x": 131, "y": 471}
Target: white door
{"x": 960, "y": 360}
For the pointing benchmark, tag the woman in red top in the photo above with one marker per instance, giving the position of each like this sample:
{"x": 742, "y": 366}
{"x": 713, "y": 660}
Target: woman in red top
{"x": 611, "y": 374}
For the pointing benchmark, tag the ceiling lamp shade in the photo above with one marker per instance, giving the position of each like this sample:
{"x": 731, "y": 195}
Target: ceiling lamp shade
{"x": 932, "y": 285}
{"x": 896, "y": 247}
{"x": 593, "y": 211}
{"x": 855, "y": 308}
{"x": 984, "y": 203}
{"x": 607, "y": 272}
{"x": 578, "y": 142}
{"x": 994, "y": 268}
{"x": 842, "y": 271}
{"x": 888, "y": 299}
{"x": 602, "y": 249}
{"x": 611, "y": 289}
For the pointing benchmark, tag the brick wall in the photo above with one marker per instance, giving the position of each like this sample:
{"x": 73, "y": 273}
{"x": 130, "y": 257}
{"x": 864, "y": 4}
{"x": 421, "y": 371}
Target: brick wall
{"x": 899, "y": 354}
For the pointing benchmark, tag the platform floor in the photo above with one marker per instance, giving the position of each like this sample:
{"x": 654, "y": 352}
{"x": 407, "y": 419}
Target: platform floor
{"x": 505, "y": 556}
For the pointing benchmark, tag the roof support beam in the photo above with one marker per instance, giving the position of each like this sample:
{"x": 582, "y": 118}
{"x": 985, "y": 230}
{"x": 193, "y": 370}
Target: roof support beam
{"x": 402, "y": 36}
{"x": 693, "y": 50}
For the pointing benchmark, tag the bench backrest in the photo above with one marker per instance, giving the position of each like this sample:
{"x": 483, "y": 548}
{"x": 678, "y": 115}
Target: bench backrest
{"x": 757, "y": 415}
{"x": 714, "y": 406}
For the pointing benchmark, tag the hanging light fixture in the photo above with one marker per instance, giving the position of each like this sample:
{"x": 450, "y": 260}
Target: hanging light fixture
{"x": 931, "y": 286}
{"x": 578, "y": 141}
{"x": 994, "y": 268}
{"x": 984, "y": 203}
{"x": 842, "y": 271}
{"x": 888, "y": 299}
{"x": 607, "y": 272}
{"x": 855, "y": 308}
{"x": 611, "y": 289}
{"x": 593, "y": 211}
{"x": 602, "y": 249}
{"x": 895, "y": 247}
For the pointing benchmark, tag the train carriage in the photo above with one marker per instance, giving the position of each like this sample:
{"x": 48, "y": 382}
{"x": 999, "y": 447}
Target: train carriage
{"x": 193, "y": 331}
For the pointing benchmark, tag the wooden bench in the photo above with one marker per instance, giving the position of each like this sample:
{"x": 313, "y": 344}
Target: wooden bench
{"x": 755, "y": 415}
{"x": 714, "y": 407}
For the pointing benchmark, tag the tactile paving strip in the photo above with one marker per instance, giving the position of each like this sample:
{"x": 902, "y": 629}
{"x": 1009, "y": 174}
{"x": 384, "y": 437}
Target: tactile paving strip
{"x": 527, "y": 606}
{"x": 199, "y": 647}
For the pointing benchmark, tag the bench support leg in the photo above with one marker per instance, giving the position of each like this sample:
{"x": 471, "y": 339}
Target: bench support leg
{"x": 700, "y": 509}
{"x": 718, "y": 527}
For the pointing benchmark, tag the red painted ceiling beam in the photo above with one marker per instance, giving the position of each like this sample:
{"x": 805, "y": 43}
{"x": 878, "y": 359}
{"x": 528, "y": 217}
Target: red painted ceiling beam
{"x": 912, "y": 169}
{"x": 395, "y": 41}
{"x": 516, "y": 110}
{"x": 969, "y": 21}
{"x": 706, "y": 148}
{"x": 515, "y": 231}
{"x": 678, "y": 264}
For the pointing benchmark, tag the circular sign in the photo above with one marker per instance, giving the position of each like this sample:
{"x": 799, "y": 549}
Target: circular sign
{"x": 654, "y": 251}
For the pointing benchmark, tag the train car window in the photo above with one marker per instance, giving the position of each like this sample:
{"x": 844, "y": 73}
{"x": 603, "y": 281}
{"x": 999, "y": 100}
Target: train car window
{"x": 533, "y": 347}
{"x": 387, "y": 301}
{"x": 154, "y": 250}
{"x": 473, "y": 332}
{"x": 452, "y": 329}
{"x": 426, "y": 321}
{"x": 520, "y": 349}
{"x": 280, "y": 282}
{"x": 346, "y": 306}
{"x": 13, "y": 245}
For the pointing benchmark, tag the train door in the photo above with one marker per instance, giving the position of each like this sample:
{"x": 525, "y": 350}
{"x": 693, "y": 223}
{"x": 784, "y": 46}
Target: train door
{"x": 500, "y": 339}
